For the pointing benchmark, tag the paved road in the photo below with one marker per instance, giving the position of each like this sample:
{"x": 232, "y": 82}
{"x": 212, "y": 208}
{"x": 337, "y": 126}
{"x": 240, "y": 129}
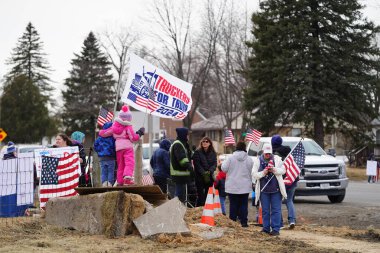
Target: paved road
{"x": 359, "y": 193}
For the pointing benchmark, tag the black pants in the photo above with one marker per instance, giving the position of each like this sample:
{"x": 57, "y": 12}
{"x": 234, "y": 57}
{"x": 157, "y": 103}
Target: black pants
{"x": 239, "y": 207}
{"x": 202, "y": 191}
{"x": 162, "y": 182}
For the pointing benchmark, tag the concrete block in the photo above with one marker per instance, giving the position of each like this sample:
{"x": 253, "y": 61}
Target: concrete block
{"x": 167, "y": 218}
{"x": 110, "y": 213}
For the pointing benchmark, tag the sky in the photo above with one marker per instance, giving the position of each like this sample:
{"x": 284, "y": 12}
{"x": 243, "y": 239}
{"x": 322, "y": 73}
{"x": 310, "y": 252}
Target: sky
{"x": 64, "y": 24}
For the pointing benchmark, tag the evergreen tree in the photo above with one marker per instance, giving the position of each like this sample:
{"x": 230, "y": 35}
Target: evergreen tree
{"x": 89, "y": 86}
{"x": 28, "y": 59}
{"x": 24, "y": 115}
{"x": 311, "y": 64}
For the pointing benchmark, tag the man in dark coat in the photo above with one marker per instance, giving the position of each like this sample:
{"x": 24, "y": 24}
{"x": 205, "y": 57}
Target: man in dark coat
{"x": 181, "y": 169}
{"x": 160, "y": 163}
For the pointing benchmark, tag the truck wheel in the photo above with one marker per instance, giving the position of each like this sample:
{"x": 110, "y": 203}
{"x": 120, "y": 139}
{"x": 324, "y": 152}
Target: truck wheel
{"x": 336, "y": 198}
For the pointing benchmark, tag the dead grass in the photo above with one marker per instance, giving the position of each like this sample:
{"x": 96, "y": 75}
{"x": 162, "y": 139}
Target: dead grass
{"x": 356, "y": 174}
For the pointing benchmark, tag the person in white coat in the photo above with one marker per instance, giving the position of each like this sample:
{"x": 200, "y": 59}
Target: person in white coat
{"x": 238, "y": 184}
{"x": 270, "y": 188}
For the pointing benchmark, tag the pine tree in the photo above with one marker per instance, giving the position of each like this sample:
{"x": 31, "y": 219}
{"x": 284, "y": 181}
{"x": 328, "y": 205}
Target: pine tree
{"x": 24, "y": 115}
{"x": 89, "y": 86}
{"x": 311, "y": 64}
{"x": 29, "y": 60}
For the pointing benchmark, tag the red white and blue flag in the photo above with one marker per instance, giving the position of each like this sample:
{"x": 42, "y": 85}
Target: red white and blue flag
{"x": 294, "y": 163}
{"x": 147, "y": 179}
{"x": 150, "y": 89}
{"x": 59, "y": 177}
{"x": 253, "y": 135}
{"x": 228, "y": 137}
{"x": 104, "y": 116}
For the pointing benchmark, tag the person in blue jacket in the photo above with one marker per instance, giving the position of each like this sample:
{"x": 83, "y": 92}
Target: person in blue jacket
{"x": 105, "y": 147}
{"x": 160, "y": 163}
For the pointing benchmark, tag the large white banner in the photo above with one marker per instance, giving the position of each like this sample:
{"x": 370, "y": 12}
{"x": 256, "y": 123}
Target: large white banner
{"x": 371, "y": 168}
{"x": 152, "y": 90}
{"x": 54, "y": 152}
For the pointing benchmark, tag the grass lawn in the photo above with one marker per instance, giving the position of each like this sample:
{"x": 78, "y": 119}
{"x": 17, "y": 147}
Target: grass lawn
{"x": 356, "y": 174}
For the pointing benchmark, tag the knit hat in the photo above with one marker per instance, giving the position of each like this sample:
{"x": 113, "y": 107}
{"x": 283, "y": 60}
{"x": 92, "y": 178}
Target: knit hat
{"x": 267, "y": 148}
{"x": 11, "y": 147}
{"x": 182, "y": 133}
{"x": 276, "y": 141}
{"x": 125, "y": 113}
{"x": 78, "y": 136}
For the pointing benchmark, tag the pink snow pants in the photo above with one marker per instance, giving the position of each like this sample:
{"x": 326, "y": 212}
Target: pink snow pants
{"x": 125, "y": 164}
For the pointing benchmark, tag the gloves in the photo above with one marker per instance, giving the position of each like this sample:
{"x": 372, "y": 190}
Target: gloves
{"x": 206, "y": 177}
{"x": 141, "y": 131}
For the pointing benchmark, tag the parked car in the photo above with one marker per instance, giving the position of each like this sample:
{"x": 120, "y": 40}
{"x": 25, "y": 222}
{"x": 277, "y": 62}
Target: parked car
{"x": 146, "y": 155}
{"x": 323, "y": 174}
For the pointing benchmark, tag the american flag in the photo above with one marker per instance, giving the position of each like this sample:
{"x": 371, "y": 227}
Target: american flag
{"x": 228, "y": 137}
{"x": 143, "y": 102}
{"x": 147, "y": 178}
{"x": 253, "y": 135}
{"x": 104, "y": 116}
{"x": 59, "y": 177}
{"x": 294, "y": 163}
{"x": 180, "y": 115}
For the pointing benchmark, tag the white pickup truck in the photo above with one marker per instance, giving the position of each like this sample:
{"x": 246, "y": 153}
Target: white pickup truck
{"x": 322, "y": 175}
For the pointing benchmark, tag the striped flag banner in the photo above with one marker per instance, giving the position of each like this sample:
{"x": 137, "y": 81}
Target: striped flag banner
{"x": 59, "y": 177}
{"x": 294, "y": 163}
{"x": 147, "y": 179}
{"x": 253, "y": 135}
{"x": 104, "y": 116}
{"x": 228, "y": 137}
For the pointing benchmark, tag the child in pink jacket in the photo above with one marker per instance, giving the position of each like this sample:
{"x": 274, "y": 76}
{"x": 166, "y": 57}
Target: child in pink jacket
{"x": 124, "y": 136}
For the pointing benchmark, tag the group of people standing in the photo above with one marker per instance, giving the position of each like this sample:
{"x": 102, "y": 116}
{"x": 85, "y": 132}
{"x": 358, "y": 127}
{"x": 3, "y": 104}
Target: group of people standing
{"x": 234, "y": 177}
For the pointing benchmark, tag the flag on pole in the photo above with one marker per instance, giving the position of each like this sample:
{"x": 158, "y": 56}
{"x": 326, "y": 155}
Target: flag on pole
{"x": 147, "y": 178}
{"x": 228, "y": 137}
{"x": 294, "y": 163}
{"x": 59, "y": 177}
{"x": 150, "y": 89}
{"x": 104, "y": 116}
{"x": 253, "y": 135}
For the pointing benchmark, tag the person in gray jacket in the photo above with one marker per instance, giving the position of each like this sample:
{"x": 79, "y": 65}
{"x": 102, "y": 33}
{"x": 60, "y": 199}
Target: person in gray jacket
{"x": 238, "y": 182}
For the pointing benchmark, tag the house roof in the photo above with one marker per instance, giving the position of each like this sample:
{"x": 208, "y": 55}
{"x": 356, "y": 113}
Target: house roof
{"x": 218, "y": 122}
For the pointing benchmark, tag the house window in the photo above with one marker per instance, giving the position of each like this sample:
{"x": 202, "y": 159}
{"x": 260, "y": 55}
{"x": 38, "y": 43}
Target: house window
{"x": 296, "y": 132}
{"x": 377, "y": 136}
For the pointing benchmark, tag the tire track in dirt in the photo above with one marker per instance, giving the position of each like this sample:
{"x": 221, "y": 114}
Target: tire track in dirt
{"x": 331, "y": 242}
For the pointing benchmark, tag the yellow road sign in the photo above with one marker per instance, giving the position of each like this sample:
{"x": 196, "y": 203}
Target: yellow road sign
{"x": 3, "y": 134}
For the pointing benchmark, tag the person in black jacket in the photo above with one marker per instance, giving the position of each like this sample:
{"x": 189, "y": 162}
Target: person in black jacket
{"x": 181, "y": 170}
{"x": 160, "y": 163}
{"x": 204, "y": 160}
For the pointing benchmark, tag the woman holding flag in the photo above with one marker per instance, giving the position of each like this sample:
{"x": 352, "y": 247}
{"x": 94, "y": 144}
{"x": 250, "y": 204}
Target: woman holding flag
{"x": 270, "y": 188}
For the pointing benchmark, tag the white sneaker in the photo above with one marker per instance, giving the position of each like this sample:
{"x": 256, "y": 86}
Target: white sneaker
{"x": 292, "y": 225}
{"x": 105, "y": 184}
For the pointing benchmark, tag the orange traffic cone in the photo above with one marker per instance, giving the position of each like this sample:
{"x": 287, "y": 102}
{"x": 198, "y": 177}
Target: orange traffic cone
{"x": 208, "y": 209}
{"x": 260, "y": 217}
{"x": 217, "y": 206}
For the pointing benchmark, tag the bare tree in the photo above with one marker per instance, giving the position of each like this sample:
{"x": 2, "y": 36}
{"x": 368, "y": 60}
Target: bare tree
{"x": 231, "y": 57}
{"x": 117, "y": 45}
{"x": 184, "y": 53}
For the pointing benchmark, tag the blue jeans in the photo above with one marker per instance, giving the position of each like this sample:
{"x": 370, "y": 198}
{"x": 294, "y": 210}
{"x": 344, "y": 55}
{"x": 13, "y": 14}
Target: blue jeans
{"x": 108, "y": 170}
{"x": 271, "y": 206}
{"x": 289, "y": 203}
{"x": 239, "y": 207}
{"x": 223, "y": 204}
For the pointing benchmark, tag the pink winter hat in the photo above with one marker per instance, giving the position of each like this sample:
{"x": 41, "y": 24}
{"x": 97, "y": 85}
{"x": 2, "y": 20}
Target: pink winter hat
{"x": 125, "y": 113}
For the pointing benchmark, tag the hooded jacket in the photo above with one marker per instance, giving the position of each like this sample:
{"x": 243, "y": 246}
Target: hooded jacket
{"x": 238, "y": 168}
{"x": 160, "y": 161}
{"x": 105, "y": 146}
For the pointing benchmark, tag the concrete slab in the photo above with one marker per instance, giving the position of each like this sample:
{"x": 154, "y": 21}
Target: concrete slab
{"x": 110, "y": 213}
{"x": 167, "y": 218}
